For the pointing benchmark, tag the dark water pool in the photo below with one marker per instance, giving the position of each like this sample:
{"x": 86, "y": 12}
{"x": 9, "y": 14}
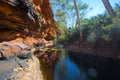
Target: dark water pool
{"x": 65, "y": 65}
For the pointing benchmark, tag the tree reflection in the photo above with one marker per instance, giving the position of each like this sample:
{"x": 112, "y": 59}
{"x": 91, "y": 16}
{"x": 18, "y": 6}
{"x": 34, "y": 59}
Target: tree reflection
{"x": 66, "y": 69}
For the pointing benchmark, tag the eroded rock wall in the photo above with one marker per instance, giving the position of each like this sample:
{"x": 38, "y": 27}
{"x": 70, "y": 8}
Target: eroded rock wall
{"x": 23, "y": 23}
{"x": 26, "y": 18}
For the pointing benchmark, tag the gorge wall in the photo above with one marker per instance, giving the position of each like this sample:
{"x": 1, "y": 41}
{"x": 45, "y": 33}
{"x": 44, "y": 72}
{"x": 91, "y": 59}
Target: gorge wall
{"x": 23, "y": 23}
{"x": 26, "y": 18}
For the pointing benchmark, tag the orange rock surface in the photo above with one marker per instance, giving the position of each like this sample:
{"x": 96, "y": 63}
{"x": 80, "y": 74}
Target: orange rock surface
{"x": 26, "y": 18}
{"x": 24, "y": 22}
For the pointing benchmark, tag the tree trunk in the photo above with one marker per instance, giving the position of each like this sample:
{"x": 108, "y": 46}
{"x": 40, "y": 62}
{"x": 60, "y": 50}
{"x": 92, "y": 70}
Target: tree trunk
{"x": 77, "y": 13}
{"x": 109, "y": 8}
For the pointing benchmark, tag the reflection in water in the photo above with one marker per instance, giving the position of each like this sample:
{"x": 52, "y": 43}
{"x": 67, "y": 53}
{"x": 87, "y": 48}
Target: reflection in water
{"x": 66, "y": 70}
{"x": 48, "y": 59}
{"x": 60, "y": 65}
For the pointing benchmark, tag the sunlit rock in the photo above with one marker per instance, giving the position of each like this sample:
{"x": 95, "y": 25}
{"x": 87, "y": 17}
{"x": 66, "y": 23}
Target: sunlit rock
{"x": 26, "y": 18}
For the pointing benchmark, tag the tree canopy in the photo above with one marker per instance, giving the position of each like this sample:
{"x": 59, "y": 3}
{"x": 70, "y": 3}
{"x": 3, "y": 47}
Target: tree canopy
{"x": 102, "y": 26}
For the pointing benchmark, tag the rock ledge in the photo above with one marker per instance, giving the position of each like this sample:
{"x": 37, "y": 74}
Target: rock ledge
{"x": 20, "y": 69}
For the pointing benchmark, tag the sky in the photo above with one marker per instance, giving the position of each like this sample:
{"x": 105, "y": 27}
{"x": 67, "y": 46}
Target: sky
{"x": 97, "y": 6}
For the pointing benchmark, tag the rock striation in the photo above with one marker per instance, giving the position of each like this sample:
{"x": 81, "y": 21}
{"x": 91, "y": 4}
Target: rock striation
{"x": 23, "y": 23}
{"x": 26, "y": 18}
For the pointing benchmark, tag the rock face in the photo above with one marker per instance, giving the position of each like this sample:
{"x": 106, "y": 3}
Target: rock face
{"x": 26, "y": 18}
{"x": 17, "y": 69}
{"x": 22, "y": 23}
{"x": 20, "y": 47}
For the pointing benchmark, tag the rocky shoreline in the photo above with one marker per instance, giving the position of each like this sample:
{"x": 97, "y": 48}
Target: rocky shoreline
{"x": 20, "y": 69}
{"x": 92, "y": 50}
{"x": 17, "y": 60}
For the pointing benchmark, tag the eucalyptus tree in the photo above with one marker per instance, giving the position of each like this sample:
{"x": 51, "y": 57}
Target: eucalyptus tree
{"x": 109, "y": 8}
{"x": 65, "y": 13}
{"x": 78, "y": 18}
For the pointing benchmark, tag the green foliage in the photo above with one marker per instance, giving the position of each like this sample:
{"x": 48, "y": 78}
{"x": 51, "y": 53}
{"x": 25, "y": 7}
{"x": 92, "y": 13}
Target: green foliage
{"x": 97, "y": 26}
{"x": 65, "y": 17}
{"x": 115, "y": 30}
{"x": 73, "y": 34}
{"x": 117, "y": 9}
{"x": 100, "y": 27}
{"x": 61, "y": 31}
{"x": 64, "y": 11}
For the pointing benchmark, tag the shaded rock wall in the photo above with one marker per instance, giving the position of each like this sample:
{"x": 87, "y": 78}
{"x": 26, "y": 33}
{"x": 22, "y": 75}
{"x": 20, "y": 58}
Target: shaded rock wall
{"x": 23, "y": 18}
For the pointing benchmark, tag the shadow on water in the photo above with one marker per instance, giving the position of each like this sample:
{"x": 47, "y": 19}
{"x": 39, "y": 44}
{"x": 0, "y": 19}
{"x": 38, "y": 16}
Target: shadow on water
{"x": 64, "y": 65}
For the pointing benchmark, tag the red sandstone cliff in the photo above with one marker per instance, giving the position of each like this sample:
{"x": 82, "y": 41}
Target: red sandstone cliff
{"x": 26, "y": 18}
{"x": 24, "y": 22}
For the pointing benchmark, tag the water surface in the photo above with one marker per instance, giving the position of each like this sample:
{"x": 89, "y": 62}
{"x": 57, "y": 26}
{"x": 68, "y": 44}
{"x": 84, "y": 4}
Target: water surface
{"x": 65, "y": 65}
